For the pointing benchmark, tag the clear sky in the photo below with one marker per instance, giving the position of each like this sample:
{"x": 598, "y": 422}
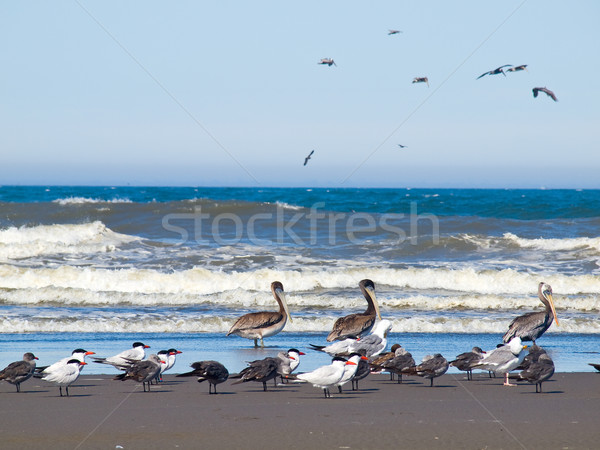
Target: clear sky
{"x": 229, "y": 93}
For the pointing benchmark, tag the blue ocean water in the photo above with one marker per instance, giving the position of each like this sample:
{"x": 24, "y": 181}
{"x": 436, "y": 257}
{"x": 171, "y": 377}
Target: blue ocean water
{"x": 177, "y": 265}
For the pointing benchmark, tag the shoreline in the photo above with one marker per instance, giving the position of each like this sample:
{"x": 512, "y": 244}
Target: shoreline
{"x": 179, "y": 413}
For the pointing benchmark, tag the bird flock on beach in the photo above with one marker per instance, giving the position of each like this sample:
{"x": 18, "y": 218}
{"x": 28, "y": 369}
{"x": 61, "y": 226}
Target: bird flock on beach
{"x": 423, "y": 79}
{"x": 357, "y": 344}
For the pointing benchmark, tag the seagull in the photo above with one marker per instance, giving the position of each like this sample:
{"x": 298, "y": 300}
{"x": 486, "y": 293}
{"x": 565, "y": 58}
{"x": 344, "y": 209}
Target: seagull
{"x": 78, "y": 354}
{"x": 261, "y": 370}
{"x": 538, "y": 371}
{"x": 465, "y": 361}
{"x": 377, "y": 361}
{"x": 288, "y": 361}
{"x": 495, "y": 71}
{"x": 142, "y": 371}
{"x": 401, "y": 361}
{"x": 350, "y": 369}
{"x": 324, "y": 377}
{"x": 212, "y": 371}
{"x": 363, "y": 371}
{"x": 308, "y": 157}
{"x": 65, "y": 375}
{"x": 171, "y": 358}
{"x": 503, "y": 359}
{"x": 545, "y": 91}
{"x": 517, "y": 68}
{"x": 432, "y": 366}
{"x": 421, "y": 80}
{"x": 372, "y": 344}
{"x": 126, "y": 358}
{"x": 328, "y": 61}
{"x": 19, "y": 371}
{"x": 390, "y": 32}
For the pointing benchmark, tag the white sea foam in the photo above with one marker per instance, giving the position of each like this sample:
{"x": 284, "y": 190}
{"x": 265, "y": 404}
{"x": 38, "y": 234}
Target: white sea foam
{"x": 555, "y": 244}
{"x": 84, "y": 200}
{"x": 26, "y": 242}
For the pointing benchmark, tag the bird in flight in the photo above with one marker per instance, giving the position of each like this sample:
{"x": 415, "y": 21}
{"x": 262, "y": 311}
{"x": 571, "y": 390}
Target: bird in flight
{"x": 328, "y": 61}
{"x": 517, "y": 68}
{"x": 545, "y": 91}
{"x": 390, "y": 32}
{"x": 495, "y": 71}
{"x": 308, "y": 157}
{"x": 401, "y": 146}
{"x": 421, "y": 80}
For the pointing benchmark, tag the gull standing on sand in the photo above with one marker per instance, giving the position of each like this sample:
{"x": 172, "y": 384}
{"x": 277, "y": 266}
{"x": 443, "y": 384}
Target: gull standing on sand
{"x": 19, "y": 371}
{"x": 377, "y": 361}
{"x": 537, "y": 371}
{"x": 363, "y": 370}
{"x": 432, "y": 366}
{"x": 325, "y": 376}
{"x": 126, "y": 358}
{"x": 356, "y": 325}
{"x": 288, "y": 362}
{"x": 170, "y": 357}
{"x": 212, "y": 371}
{"x": 465, "y": 361}
{"x": 143, "y": 371}
{"x": 65, "y": 375}
{"x": 401, "y": 361}
{"x": 78, "y": 354}
{"x": 261, "y": 371}
{"x": 372, "y": 344}
{"x": 259, "y": 325}
{"x": 503, "y": 359}
{"x": 531, "y": 326}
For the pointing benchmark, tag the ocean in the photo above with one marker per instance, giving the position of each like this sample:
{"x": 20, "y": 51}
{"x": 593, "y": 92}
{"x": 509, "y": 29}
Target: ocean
{"x": 101, "y": 267}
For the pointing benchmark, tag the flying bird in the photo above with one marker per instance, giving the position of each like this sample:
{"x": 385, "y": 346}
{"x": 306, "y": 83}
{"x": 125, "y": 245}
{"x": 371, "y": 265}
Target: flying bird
{"x": 212, "y": 371}
{"x": 517, "y": 68}
{"x": 390, "y": 32}
{"x": 262, "y": 324}
{"x": 495, "y": 71}
{"x": 421, "y": 80}
{"x": 531, "y": 326}
{"x": 308, "y": 157}
{"x": 328, "y": 61}
{"x": 402, "y": 146}
{"x": 545, "y": 91}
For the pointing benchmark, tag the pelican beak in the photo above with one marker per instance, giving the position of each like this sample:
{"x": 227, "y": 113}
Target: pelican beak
{"x": 281, "y": 295}
{"x": 371, "y": 293}
{"x": 551, "y": 301}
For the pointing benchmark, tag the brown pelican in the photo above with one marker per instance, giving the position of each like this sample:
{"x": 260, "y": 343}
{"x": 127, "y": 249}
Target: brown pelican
{"x": 261, "y": 370}
{"x": 402, "y": 360}
{"x": 517, "y": 68}
{"x": 126, "y": 358}
{"x": 431, "y": 367}
{"x": 503, "y": 359}
{"x": 142, "y": 371}
{"x": 260, "y": 325}
{"x": 328, "y": 61}
{"x": 545, "y": 91}
{"x": 390, "y": 32}
{"x": 356, "y": 325}
{"x": 19, "y": 371}
{"x": 465, "y": 361}
{"x": 324, "y": 377}
{"x": 308, "y": 157}
{"x": 65, "y": 375}
{"x": 531, "y": 326}
{"x": 496, "y": 71}
{"x": 421, "y": 80}
{"x": 537, "y": 372}
{"x": 212, "y": 371}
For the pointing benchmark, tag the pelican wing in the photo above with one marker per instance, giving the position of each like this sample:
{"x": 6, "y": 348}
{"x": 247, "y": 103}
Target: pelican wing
{"x": 256, "y": 320}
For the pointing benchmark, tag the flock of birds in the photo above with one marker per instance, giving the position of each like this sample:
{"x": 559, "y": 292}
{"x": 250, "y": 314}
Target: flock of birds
{"x": 357, "y": 344}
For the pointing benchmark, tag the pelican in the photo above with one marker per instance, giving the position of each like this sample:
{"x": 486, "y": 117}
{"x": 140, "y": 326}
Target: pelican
{"x": 390, "y": 32}
{"x": 372, "y": 344}
{"x": 421, "y": 80}
{"x": 261, "y": 370}
{"x": 212, "y": 371}
{"x": 143, "y": 371}
{"x": 517, "y": 68}
{"x": 19, "y": 371}
{"x": 328, "y": 61}
{"x": 432, "y": 366}
{"x": 546, "y": 91}
{"x": 356, "y": 325}
{"x": 503, "y": 359}
{"x": 537, "y": 372}
{"x": 531, "y": 326}
{"x": 465, "y": 361}
{"x": 496, "y": 71}
{"x": 308, "y": 157}
{"x": 260, "y": 325}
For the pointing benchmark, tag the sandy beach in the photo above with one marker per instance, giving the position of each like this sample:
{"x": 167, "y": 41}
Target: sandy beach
{"x": 179, "y": 413}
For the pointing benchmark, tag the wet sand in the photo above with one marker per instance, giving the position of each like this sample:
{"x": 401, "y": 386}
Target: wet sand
{"x": 179, "y": 413}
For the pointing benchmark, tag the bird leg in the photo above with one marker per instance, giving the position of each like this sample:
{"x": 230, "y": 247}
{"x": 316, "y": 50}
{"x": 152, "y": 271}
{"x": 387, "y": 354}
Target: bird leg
{"x": 262, "y": 343}
{"x": 399, "y": 378}
{"x": 431, "y": 385}
{"x": 340, "y": 389}
{"x": 60, "y": 390}
{"x": 506, "y": 382}
{"x": 255, "y": 343}
{"x": 264, "y": 386}
{"x": 66, "y": 389}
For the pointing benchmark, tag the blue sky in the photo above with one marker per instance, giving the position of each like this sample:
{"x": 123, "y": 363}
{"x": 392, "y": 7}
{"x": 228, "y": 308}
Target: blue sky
{"x": 230, "y": 93}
